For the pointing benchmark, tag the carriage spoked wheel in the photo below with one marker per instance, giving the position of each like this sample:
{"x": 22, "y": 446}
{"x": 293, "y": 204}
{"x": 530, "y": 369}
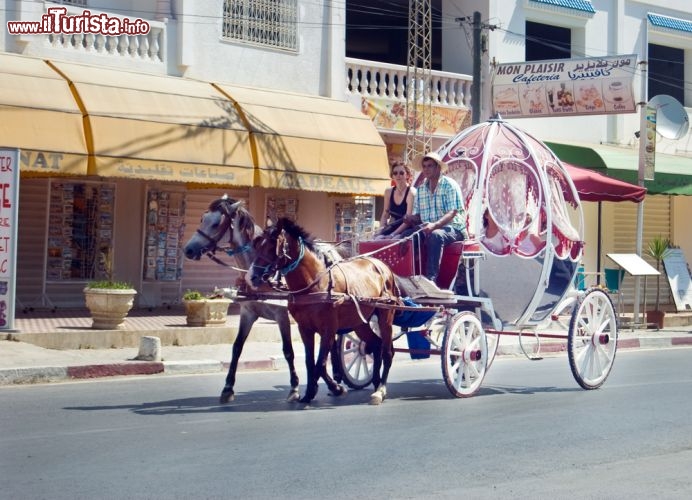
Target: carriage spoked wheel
{"x": 592, "y": 339}
{"x": 464, "y": 355}
{"x": 356, "y": 363}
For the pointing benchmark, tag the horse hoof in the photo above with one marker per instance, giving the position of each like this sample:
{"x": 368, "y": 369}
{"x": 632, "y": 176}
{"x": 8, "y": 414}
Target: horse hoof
{"x": 340, "y": 391}
{"x": 226, "y": 396}
{"x": 376, "y": 399}
{"x": 293, "y": 396}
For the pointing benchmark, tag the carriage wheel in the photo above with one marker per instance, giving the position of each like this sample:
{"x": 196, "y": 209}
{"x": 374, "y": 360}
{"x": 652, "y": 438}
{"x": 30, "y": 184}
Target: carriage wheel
{"x": 464, "y": 355}
{"x": 592, "y": 339}
{"x": 356, "y": 364}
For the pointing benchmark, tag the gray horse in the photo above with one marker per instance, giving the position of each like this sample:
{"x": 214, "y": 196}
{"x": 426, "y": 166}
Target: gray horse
{"x": 229, "y": 218}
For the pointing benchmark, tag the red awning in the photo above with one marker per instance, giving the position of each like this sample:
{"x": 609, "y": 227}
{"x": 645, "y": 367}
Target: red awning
{"x": 593, "y": 186}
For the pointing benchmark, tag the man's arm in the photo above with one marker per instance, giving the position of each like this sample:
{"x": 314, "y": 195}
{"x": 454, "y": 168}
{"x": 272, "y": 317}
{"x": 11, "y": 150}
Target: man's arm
{"x": 441, "y": 222}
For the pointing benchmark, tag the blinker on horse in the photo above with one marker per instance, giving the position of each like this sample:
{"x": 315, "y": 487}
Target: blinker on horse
{"x": 325, "y": 299}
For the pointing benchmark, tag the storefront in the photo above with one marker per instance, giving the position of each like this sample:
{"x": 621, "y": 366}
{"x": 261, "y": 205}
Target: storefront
{"x": 117, "y": 167}
{"x": 667, "y": 205}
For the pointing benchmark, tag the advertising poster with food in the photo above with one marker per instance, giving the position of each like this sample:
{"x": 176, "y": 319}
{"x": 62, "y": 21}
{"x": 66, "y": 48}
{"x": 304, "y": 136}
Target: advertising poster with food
{"x": 565, "y": 87}
{"x": 387, "y": 115}
{"x": 649, "y": 139}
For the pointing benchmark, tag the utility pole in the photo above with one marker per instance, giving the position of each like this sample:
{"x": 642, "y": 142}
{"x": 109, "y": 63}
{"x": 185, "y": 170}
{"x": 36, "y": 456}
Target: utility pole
{"x": 477, "y": 27}
{"x": 418, "y": 80}
{"x": 476, "y": 86}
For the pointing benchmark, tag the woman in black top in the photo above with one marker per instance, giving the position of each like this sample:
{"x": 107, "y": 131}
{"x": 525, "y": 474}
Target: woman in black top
{"x": 398, "y": 199}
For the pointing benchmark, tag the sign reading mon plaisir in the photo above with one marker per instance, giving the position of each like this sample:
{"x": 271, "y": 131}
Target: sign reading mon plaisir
{"x": 564, "y": 87}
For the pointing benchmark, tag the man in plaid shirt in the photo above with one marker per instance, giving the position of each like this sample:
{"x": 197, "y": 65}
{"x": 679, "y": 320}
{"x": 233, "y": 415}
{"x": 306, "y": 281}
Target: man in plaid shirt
{"x": 439, "y": 205}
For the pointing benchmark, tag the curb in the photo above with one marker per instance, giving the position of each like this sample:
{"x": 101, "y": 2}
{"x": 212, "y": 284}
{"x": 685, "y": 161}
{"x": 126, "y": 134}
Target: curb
{"x": 45, "y": 374}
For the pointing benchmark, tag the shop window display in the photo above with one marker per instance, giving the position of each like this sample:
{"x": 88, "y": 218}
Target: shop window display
{"x": 80, "y": 231}
{"x": 165, "y": 227}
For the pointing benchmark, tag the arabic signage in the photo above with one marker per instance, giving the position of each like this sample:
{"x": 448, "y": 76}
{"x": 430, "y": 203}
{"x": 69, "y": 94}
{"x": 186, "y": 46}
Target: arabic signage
{"x": 565, "y": 87}
{"x": 9, "y": 200}
{"x": 177, "y": 172}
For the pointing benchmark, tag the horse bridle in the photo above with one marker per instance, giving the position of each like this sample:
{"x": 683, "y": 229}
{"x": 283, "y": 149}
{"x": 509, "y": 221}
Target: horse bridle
{"x": 272, "y": 267}
{"x": 225, "y": 225}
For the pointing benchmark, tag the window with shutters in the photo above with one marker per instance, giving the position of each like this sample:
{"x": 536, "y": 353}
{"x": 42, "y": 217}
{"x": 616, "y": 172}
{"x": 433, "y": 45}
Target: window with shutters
{"x": 656, "y": 223}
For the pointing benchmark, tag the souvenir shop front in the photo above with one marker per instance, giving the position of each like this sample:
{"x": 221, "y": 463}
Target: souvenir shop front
{"x": 116, "y": 173}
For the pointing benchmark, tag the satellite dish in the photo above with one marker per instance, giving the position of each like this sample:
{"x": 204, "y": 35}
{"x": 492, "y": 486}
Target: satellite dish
{"x": 672, "y": 121}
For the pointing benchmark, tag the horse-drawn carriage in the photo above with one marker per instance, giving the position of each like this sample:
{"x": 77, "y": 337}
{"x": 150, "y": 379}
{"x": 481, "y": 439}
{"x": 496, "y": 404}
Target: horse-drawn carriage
{"x": 514, "y": 283}
{"x": 509, "y": 283}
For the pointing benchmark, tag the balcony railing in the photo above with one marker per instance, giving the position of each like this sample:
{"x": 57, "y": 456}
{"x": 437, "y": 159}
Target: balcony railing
{"x": 383, "y": 80}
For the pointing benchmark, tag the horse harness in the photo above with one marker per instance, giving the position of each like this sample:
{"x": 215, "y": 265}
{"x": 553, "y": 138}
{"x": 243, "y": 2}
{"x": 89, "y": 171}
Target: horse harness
{"x": 304, "y": 296}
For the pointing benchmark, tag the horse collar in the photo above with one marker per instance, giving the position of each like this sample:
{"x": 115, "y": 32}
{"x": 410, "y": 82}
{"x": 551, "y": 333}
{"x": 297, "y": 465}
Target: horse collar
{"x": 293, "y": 265}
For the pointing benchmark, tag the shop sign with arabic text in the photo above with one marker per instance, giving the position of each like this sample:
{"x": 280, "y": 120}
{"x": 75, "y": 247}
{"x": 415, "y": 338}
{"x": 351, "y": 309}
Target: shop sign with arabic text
{"x": 562, "y": 87}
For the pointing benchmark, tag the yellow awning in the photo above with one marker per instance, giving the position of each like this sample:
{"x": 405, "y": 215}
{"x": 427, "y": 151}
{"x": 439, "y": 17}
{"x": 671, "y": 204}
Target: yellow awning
{"x": 74, "y": 119}
{"x": 39, "y": 115}
{"x": 159, "y": 127}
{"x": 312, "y": 143}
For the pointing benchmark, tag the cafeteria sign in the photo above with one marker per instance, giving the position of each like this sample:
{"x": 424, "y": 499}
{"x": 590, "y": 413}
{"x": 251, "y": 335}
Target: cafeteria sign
{"x": 564, "y": 87}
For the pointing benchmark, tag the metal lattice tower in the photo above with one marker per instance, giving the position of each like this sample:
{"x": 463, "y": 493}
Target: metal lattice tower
{"x": 418, "y": 80}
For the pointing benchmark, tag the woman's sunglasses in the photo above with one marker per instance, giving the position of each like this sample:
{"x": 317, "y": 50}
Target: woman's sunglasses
{"x": 398, "y": 172}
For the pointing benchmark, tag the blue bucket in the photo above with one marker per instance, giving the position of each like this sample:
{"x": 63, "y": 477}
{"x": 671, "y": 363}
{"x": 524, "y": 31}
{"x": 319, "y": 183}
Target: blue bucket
{"x": 418, "y": 342}
{"x": 412, "y": 319}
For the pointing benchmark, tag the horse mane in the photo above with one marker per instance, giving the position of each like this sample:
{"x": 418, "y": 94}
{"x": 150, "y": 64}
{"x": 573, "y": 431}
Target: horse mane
{"x": 214, "y": 205}
{"x": 295, "y": 231}
{"x": 329, "y": 252}
{"x": 248, "y": 226}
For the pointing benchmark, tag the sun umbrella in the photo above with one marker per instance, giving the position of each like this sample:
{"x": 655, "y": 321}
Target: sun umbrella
{"x": 594, "y": 186}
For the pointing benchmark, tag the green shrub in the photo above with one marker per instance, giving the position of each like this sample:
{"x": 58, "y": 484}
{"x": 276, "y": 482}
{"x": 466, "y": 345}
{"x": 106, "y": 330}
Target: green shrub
{"x": 110, "y": 285}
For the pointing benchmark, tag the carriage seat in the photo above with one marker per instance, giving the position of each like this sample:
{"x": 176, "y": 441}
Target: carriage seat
{"x": 451, "y": 259}
{"x": 399, "y": 256}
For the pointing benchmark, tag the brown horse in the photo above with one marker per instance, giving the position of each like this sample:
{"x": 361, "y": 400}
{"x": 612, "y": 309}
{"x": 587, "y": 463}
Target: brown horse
{"x": 326, "y": 299}
{"x": 228, "y": 222}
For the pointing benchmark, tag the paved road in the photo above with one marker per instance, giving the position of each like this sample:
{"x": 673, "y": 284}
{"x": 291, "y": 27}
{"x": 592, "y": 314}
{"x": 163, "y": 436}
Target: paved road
{"x": 531, "y": 432}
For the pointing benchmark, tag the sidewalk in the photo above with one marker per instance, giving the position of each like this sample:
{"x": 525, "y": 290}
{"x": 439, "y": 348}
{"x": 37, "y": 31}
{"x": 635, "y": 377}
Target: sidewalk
{"x": 24, "y": 363}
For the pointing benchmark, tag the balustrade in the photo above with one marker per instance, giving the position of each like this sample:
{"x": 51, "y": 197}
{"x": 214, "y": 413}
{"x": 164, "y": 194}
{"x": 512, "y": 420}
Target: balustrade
{"x": 383, "y": 80}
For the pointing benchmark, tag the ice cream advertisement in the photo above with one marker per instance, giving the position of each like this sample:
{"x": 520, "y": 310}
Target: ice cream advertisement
{"x": 565, "y": 87}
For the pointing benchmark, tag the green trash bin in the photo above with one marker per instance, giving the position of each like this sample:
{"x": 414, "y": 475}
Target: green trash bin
{"x": 613, "y": 279}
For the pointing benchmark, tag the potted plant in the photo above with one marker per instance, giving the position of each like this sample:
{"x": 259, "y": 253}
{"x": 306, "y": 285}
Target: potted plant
{"x": 657, "y": 249}
{"x": 205, "y": 310}
{"x": 108, "y": 300}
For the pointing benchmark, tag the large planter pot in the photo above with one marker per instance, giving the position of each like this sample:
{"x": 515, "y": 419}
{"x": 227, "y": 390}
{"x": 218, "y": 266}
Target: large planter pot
{"x": 109, "y": 307}
{"x": 206, "y": 311}
{"x": 656, "y": 318}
